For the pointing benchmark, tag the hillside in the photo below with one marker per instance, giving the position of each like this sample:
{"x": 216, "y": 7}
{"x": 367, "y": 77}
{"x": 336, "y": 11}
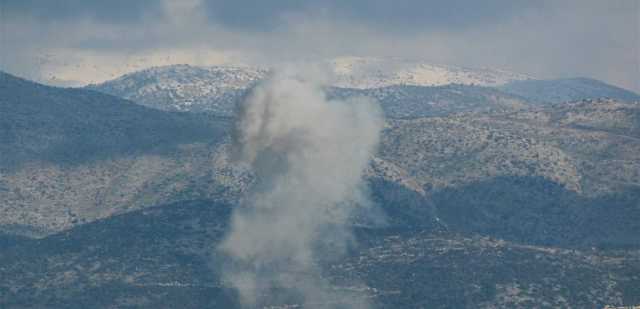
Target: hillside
{"x": 565, "y": 164}
{"x": 163, "y": 257}
{"x": 71, "y": 155}
{"x": 48, "y": 124}
{"x": 367, "y": 72}
{"x": 420, "y": 101}
{"x": 185, "y": 88}
{"x": 405, "y": 89}
{"x": 538, "y": 176}
{"x": 498, "y": 204}
{"x": 566, "y": 90}
{"x": 217, "y": 89}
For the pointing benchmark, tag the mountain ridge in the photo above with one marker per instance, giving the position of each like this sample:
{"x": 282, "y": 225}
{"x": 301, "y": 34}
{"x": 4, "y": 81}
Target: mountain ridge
{"x": 500, "y": 204}
{"x": 163, "y": 256}
{"x": 567, "y": 89}
{"x": 370, "y": 72}
{"x": 218, "y": 89}
{"x": 418, "y": 157}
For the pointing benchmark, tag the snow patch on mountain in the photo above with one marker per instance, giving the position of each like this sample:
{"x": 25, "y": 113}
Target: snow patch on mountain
{"x": 217, "y": 88}
{"x": 364, "y": 73}
{"x": 185, "y": 87}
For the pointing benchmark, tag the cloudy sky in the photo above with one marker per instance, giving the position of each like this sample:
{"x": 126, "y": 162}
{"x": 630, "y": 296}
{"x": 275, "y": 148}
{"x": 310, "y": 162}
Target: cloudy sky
{"x": 80, "y": 41}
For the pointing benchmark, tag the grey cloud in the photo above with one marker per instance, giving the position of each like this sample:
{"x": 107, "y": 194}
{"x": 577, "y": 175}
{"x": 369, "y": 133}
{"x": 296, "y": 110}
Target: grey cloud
{"x": 267, "y": 15}
{"x": 405, "y": 15}
{"x": 105, "y": 11}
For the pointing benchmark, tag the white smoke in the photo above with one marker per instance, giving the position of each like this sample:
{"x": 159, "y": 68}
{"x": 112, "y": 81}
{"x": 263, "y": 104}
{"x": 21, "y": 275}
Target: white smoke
{"x": 308, "y": 154}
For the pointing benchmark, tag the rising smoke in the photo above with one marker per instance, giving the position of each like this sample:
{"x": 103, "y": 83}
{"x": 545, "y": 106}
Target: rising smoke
{"x": 308, "y": 154}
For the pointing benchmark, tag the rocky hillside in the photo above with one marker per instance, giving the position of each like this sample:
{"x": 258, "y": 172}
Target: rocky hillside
{"x": 568, "y": 89}
{"x": 404, "y": 88}
{"x": 506, "y": 206}
{"x": 165, "y": 257}
{"x": 217, "y": 89}
{"x": 185, "y": 88}
{"x": 57, "y": 125}
{"x": 576, "y": 158}
{"x": 478, "y": 168}
{"x": 366, "y": 73}
{"x": 71, "y": 156}
{"x": 565, "y": 143}
{"x": 419, "y": 101}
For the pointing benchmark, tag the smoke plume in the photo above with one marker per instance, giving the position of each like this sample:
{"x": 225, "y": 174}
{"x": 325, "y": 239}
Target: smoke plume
{"x": 308, "y": 155}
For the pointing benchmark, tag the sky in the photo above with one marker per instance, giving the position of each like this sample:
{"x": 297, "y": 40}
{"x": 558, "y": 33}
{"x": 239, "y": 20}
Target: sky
{"x": 74, "y": 42}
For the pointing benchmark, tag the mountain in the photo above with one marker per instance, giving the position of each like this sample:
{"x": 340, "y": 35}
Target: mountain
{"x": 398, "y": 101}
{"x": 403, "y": 101}
{"x": 587, "y": 146}
{"x": 581, "y": 155}
{"x": 566, "y": 90}
{"x": 165, "y": 257}
{"x": 565, "y": 164}
{"x": 404, "y": 88}
{"x": 366, "y": 72}
{"x": 41, "y": 123}
{"x": 217, "y": 89}
{"x": 106, "y": 203}
{"x": 71, "y": 155}
{"x": 185, "y": 87}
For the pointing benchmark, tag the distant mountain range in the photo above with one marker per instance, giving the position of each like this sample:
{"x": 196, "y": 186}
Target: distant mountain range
{"x": 491, "y": 199}
{"x": 84, "y": 155}
{"x": 184, "y": 87}
{"x": 403, "y": 87}
{"x": 366, "y": 73}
